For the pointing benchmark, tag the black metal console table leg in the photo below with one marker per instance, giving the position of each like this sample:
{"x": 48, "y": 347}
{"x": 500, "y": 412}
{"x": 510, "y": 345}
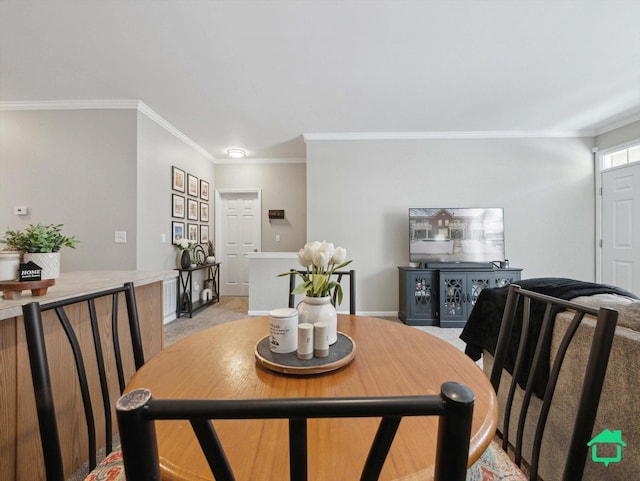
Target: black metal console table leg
{"x": 185, "y": 301}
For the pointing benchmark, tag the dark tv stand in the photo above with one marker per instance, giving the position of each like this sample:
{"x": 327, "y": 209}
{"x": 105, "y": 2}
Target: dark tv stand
{"x": 457, "y": 265}
{"x": 444, "y": 295}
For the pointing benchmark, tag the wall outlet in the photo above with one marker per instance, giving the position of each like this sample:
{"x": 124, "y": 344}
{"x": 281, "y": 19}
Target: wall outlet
{"x": 277, "y": 237}
{"x": 20, "y": 210}
{"x": 120, "y": 237}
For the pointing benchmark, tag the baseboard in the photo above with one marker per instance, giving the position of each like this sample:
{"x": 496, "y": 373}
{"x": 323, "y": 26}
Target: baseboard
{"x": 362, "y": 313}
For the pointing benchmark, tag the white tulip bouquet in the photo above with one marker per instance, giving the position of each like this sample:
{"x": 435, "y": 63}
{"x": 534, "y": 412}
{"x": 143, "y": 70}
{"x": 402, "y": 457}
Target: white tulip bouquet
{"x": 185, "y": 244}
{"x": 321, "y": 260}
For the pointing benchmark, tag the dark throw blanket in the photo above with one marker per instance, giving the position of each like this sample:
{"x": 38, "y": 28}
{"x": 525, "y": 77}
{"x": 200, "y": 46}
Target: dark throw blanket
{"x": 483, "y": 326}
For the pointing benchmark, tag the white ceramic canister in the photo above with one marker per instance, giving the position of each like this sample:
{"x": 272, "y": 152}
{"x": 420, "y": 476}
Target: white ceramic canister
{"x": 9, "y": 264}
{"x": 283, "y": 330}
{"x": 320, "y": 309}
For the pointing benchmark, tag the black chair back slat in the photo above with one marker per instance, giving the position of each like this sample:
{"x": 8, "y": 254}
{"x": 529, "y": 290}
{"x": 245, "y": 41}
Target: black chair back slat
{"x": 116, "y": 342}
{"x": 41, "y": 377}
{"x": 137, "y": 412}
{"x": 550, "y": 389}
{"x": 54, "y": 470}
{"x": 524, "y": 336}
{"x": 334, "y": 295}
{"x": 81, "y": 372}
{"x": 387, "y": 430}
{"x": 102, "y": 372}
{"x": 212, "y": 449}
{"x": 594, "y": 373}
{"x": 298, "y": 462}
{"x": 134, "y": 326}
{"x": 543, "y": 337}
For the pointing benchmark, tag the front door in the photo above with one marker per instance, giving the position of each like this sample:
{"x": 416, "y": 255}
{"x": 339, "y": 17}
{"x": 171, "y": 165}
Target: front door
{"x": 621, "y": 227}
{"x": 237, "y": 234}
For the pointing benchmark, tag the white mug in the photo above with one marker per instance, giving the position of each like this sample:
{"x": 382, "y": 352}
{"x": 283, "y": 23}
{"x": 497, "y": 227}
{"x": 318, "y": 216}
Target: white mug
{"x": 283, "y": 330}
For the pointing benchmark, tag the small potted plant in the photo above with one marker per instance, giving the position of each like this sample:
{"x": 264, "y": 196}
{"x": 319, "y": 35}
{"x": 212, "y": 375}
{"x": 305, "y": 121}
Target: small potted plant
{"x": 211, "y": 253}
{"x": 40, "y": 244}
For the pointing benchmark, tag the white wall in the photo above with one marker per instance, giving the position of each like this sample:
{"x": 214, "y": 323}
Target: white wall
{"x": 77, "y": 168}
{"x": 359, "y": 193}
{"x": 158, "y": 151}
{"x": 96, "y": 172}
{"x": 283, "y": 186}
{"x": 613, "y": 138}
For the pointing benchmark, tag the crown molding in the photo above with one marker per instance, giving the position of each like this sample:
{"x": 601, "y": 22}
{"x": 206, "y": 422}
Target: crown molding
{"x": 70, "y": 104}
{"x": 511, "y": 134}
{"x": 108, "y": 104}
{"x": 617, "y": 125}
{"x": 151, "y": 114}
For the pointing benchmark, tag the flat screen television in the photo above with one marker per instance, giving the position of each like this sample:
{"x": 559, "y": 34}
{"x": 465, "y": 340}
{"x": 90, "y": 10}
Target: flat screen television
{"x": 456, "y": 235}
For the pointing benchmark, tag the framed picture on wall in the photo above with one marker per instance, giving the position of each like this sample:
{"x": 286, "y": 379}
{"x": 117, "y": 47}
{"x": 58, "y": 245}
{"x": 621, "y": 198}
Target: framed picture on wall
{"x": 192, "y": 209}
{"x": 204, "y": 212}
{"x": 177, "y": 179}
{"x": 177, "y": 206}
{"x": 204, "y": 189}
{"x": 204, "y": 234}
{"x": 192, "y": 182}
{"x": 192, "y": 232}
{"x": 177, "y": 229}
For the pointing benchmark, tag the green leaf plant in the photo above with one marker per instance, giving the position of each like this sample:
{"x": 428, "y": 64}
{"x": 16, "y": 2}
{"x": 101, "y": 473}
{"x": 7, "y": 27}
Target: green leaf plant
{"x": 39, "y": 238}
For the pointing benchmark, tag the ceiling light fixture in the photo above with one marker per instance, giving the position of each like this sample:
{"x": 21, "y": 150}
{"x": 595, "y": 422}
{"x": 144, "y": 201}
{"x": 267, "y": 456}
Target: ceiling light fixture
{"x": 236, "y": 153}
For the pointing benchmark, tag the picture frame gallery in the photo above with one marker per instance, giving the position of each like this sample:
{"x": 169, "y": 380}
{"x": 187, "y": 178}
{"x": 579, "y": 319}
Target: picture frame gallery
{"x": 189, "y": 201}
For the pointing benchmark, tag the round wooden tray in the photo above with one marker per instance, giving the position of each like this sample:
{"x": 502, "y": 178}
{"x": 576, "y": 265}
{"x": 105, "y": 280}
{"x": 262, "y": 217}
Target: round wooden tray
{"x": 340, "y": 354}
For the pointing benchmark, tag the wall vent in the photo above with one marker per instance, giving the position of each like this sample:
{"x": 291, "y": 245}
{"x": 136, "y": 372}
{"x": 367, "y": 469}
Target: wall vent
{"x": 170, "y": 293}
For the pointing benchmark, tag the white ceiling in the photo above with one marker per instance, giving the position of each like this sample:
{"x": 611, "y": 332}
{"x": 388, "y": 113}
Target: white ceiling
{"x": 258, "y": 74}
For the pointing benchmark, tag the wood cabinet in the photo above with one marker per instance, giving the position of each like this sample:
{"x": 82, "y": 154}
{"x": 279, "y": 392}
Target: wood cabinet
{"x": 445, "y": 297}
{"x": 20, "y": 447}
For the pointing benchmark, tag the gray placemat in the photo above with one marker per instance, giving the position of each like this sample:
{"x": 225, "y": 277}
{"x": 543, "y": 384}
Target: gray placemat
{"x": 341, "y": 349}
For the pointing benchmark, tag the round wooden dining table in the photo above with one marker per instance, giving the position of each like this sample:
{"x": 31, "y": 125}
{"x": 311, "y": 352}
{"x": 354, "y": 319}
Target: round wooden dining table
{"x": 390, "y": 359}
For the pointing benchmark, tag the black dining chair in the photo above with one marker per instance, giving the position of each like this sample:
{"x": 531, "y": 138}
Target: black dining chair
{"x": 137, "y": 412}
{"x": 99, "y": 309}
{"x": 523, "y": 346}
{"x": 351, "y": 274}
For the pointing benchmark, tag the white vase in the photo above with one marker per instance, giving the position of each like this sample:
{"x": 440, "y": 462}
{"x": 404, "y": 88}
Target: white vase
{"x": 49, "y": 261}
{"x": 211, "y": 259}
{"x": 319, "y": 309}
{"x": 9, "y": 263}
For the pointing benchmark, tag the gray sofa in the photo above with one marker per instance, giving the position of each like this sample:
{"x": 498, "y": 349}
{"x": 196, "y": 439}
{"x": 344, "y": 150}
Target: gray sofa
{"x": 619, "y": 404}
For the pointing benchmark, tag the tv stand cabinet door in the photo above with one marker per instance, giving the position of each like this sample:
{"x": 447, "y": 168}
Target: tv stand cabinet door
{"x": 453, "y": 295}
{"x": 458, "y": 294}
{"x": 504, "y": 277}
{"x": 418, "y": 296}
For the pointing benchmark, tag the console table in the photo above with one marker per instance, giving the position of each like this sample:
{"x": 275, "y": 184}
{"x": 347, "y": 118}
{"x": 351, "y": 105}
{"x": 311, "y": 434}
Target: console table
{"x": 445, "y": 296}
{"x": 185, "y": 288}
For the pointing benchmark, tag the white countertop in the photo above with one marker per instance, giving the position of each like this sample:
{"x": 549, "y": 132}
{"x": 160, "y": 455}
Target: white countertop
{"x": 272, "y": 255}
{"x": 71, "y": 284}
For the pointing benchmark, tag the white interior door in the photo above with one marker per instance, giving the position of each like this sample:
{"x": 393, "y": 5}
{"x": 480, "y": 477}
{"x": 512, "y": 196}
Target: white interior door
{"x": 621, "y": 227}
{"x": 237, "y": 233}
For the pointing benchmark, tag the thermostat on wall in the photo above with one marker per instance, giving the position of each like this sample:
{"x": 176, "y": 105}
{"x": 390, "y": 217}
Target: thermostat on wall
{"x": 276, "y": 213}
